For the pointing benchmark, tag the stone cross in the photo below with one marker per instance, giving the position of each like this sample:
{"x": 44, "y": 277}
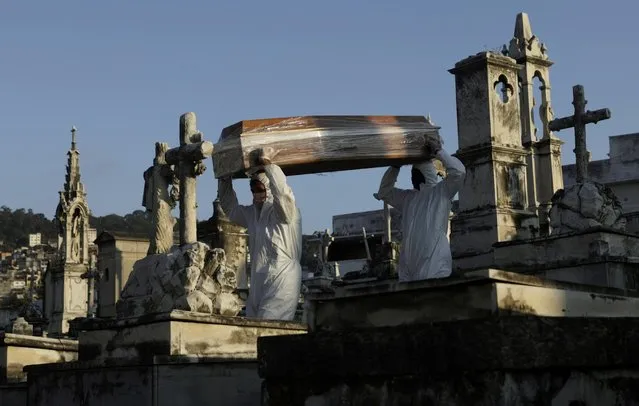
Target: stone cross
{"x": 578, "y": 121}
{"x": 73, "y": 130}
{"x": 188, "y": 159}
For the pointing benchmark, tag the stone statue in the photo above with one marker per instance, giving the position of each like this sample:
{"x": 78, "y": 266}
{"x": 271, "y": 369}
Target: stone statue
{"x": 585, "y": 205}
{"x": 191, "y": 277}
{"x": 75, "y": 236}
{"x": 159, "y": 201}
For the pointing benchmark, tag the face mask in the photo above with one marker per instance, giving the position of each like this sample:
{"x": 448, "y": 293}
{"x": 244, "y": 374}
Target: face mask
{"x": 259, "y": 196}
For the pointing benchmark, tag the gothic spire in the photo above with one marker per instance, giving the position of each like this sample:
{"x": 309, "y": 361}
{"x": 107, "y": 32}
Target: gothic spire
{"x": 73, "y": 186}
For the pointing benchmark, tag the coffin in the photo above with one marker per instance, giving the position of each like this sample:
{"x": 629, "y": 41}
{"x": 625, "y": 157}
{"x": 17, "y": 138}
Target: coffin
{"x": 315, "y": 144}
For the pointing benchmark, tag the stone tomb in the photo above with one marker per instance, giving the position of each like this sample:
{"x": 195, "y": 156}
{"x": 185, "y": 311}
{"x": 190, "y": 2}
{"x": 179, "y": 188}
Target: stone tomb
{"x": 495, "y": 361}
{"x": 486, "y": 337}
{"x": 473, "y": 295}
{"x": 599, "y": 256}
{"x": 177, "y": 333}
{"x": 159, "y": 359}
{"x": 20, "y": 350}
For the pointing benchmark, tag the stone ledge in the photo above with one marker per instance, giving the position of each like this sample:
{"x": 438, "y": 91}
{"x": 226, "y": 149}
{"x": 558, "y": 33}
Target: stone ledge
{"x": 88, "y": 324}
{"x": 593, "y": 230}
{"x": 473, "y": 295}
{"x": 132, "y": 363}
{"x": 176, "y": 333}
{"x": 477, "y": 277}
{"x": 514, "y": 343}
{"x": 48, "y": 343}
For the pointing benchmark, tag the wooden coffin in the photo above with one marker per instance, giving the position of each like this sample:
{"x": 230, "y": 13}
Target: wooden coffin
{"x": 315, "y": 144}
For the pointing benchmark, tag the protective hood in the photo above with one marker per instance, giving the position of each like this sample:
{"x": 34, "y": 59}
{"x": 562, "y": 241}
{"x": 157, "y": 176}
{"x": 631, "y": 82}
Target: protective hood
{"x": 429, "y": 171}
{"x": 263, "y": 179}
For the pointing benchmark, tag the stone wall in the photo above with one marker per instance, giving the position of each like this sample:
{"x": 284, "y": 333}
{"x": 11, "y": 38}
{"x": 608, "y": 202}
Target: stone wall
{"x": 488, "y": 362}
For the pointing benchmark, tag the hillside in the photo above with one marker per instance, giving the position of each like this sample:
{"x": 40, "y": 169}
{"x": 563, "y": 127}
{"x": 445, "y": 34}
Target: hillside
{"x": 16, "y": 225}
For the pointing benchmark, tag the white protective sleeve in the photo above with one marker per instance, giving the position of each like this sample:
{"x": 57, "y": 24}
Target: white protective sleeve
{"x": 391, "y": 195}
{"x": 283, "y": 198}
{"x": 237, "y": 213}
{"x": 455, "y": 172}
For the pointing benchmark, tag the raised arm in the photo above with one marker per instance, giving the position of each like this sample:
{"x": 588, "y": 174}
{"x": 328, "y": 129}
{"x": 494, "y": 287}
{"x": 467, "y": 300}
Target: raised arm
{"x": 388, "y": 192}
{"x": 228, "y": 200}
{"x": 283, "y": 198}
{"x": 455, "y": 172}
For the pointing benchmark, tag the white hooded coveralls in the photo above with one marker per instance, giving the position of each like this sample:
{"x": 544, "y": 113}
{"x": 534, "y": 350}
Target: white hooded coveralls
{"x": 275, "y": 243}
{"x": 425, "y": 249}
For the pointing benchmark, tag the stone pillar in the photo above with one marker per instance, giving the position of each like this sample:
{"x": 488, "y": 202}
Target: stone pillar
{"x": 493, "y": 203}
{"x": 545, "y": 174}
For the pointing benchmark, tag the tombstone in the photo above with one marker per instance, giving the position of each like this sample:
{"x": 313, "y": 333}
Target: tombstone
{"x": 586, "y": 204}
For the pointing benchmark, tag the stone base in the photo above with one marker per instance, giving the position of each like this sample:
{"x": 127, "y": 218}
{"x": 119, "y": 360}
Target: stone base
{"x": 18, "y": 351}
{"x": 176, "y": 333}
{"x": 13, "y": 394}
{"x": 512, "y": 361}
{"x": 163, "y": 381}
{"x": 477, "y": 294}
{"x": 599, "y": 257}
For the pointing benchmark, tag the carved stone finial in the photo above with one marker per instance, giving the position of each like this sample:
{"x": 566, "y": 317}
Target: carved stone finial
{"x": 429, "y": 120}
{"x": 524, "y": 43}
{"x": 523, "y": 30}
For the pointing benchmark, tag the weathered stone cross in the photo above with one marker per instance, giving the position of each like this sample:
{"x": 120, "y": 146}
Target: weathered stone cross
{"x": 188, "y": 158}
{"x": 578, "y": 121}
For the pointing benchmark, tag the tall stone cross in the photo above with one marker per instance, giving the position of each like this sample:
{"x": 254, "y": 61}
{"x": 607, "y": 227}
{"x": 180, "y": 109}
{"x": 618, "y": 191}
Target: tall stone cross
{"x": 578, "y": 121}
{"x": 188, "y": 158}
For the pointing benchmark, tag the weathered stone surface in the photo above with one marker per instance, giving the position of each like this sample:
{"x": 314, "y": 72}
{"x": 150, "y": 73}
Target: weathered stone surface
{"x": 473, "y": 295}
{"x": 585, "y": 205}
{"x": 164, "y": 381}
{"x": 597, "y": 256}
{"x": 453, "y": 347}
{"x": 176, "y": 333}
{"x": 18, "y": 351}
{"x": 20, "y": 326}
{"x": 496, "y": 388}
{"x": 191, "y": 277}
{"x": 506, "y": 361}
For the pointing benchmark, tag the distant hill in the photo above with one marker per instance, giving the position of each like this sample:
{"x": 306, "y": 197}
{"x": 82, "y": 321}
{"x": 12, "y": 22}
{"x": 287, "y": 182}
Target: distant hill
{"x": 16, "y": 225}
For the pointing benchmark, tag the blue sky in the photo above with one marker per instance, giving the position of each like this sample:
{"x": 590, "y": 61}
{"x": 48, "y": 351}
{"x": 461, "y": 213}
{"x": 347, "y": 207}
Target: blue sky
{"x": 123, "y": 71}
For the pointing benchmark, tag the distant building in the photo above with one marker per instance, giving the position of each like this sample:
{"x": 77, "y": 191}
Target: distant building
{"x": 35, "y": 239}
{"x": 117, "y": 252}
{"x": 93, "y": 234}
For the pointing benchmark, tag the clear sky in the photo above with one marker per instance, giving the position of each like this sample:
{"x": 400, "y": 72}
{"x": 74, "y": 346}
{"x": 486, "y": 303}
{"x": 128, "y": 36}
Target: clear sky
{"x": 124, "y": 71}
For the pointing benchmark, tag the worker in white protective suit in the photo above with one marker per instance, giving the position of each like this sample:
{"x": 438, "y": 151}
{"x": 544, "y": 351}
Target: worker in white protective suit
{"x": 275, "y": 241}
{"x": 425, "y": 249}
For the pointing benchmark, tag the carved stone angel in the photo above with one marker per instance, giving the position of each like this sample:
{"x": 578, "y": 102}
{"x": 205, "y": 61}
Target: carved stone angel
{"x": 159, "y": 201}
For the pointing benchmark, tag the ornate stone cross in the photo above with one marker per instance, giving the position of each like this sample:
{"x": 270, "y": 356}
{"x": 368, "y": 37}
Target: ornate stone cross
{"x": 188, "y": 159}
{"x": 578, "y": 121}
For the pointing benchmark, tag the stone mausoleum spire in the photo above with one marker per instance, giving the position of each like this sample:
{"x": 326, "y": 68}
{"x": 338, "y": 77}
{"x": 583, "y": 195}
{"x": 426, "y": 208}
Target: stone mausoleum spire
{"x": 65, "y": 289}
{"x": 72, "y": 213}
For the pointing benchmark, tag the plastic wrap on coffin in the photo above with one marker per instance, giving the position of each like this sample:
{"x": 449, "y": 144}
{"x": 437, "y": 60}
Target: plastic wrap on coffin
{"x": 315, "y": 144}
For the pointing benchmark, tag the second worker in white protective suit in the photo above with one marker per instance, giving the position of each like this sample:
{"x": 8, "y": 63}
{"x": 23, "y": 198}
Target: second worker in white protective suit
{"x": 275, "y": 241}
{"x": 425, "y": 249}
